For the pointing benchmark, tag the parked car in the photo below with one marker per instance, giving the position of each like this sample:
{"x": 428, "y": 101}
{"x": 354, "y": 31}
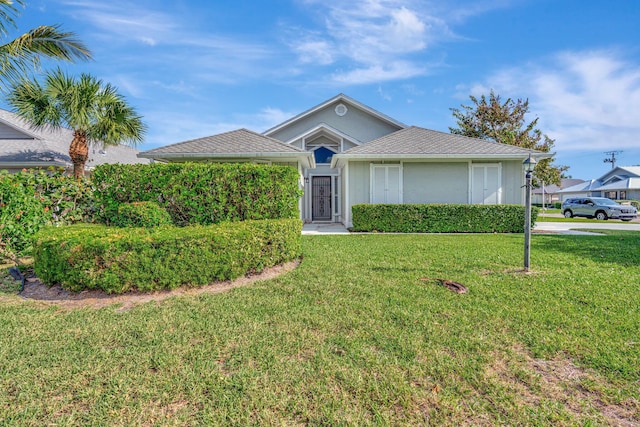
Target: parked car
{"x": 597, "y": 207}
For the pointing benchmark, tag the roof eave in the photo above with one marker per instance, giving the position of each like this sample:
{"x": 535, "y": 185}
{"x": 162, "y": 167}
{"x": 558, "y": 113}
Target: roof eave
{"x": 306, "y": 158}
{"x": 33, "y": 164}
{"x": 340, "y": 159}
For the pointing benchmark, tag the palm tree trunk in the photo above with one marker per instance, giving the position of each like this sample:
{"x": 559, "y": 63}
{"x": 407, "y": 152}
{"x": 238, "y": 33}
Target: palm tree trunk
{"x": 79, "y": 153}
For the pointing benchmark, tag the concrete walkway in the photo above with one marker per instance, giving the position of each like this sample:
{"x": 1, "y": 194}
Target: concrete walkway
{"x": 324, "y": 228}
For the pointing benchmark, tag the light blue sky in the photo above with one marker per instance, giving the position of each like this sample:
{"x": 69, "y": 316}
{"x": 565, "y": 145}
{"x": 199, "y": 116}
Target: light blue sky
{"x": 198, "y": 67}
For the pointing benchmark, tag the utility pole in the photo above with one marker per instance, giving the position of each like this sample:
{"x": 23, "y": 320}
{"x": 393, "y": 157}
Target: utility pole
{"x": 612, "y": 159}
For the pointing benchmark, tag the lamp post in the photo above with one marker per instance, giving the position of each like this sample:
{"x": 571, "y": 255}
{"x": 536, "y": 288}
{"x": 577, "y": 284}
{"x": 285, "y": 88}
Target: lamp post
{"x": 529, "y": 165}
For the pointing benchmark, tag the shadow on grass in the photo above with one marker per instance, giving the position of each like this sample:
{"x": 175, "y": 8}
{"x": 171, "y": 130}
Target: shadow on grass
{"x": 617, "y": 247}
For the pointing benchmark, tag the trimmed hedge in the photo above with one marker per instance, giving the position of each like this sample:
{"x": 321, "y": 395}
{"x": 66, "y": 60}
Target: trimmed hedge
{"x": 31, "y": 199}
{"x": 118, "y": 260}
{"x": 200, "y": 193}
{"x": 440, "y": 218}
{"x": 141, "y": 214}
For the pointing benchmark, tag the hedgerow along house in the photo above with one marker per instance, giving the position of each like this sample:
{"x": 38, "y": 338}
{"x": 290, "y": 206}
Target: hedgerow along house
{"x": 348, "y": 153}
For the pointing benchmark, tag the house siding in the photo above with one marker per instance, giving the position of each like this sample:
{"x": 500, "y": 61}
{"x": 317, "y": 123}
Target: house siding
{"x": 356, "y": 123}
{"x": 512, "y": 183}
{"x": 359, "y": 187}
{"x": 431, "y": 182}
{"x": 436, "y": 182}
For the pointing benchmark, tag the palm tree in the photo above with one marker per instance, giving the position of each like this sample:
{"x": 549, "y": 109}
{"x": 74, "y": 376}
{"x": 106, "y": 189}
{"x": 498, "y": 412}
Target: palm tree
{"x": 95, "y": 112}
{"x": 22, "y": 54}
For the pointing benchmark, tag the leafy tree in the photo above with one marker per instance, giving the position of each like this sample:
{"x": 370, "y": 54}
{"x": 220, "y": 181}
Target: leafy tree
{"x": 95, "y": 112}
{"x": 505, "y": 122}
{"x": 22, "y": 54}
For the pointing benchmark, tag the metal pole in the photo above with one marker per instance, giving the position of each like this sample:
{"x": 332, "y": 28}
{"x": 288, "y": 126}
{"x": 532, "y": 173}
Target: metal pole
{"x": 527, "y": 223}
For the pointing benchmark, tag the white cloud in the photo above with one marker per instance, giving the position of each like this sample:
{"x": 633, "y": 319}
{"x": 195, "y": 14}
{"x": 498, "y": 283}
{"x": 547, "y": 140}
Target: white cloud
{"x": 370, "y": 39}
{"x": 269, "y": 117}
{"x": 587, "y": 101}
{"x": 126, "y": 20}
{"x": 316, "y": 52}
{"x": 379, "y": 73}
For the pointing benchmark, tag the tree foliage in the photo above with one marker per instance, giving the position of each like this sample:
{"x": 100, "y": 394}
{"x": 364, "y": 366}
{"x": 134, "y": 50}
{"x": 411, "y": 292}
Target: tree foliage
{"x": 21, "y": 55}
{"x": 505, "y": 122}
{"x": 95, "y": 111}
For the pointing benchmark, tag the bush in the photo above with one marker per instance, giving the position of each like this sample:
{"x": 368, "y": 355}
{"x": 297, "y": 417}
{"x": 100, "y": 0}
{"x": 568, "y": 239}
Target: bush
{"x": 557, "y": 205}
{"x": 31, "y": 199}
{"x": 635, "y": 204}
{"x": 117, "y": 260}
{"x": 141, "y": 214}
{"x": 200, "y": 193}
{"x": 440, "y": 218}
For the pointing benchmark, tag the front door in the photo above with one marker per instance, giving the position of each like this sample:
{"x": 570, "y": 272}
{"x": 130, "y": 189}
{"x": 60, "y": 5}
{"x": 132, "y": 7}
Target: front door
{"x": 321, "y": 198}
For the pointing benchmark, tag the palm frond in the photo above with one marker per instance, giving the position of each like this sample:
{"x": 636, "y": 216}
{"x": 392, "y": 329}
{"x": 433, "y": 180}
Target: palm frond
{"x": 8, "y": 11}
{"x": 83, "y": 103}
{"x": 22, "y": 55}
{"x": 47, "y": 41}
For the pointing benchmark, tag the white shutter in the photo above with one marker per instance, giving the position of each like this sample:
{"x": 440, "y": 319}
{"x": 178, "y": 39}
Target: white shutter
{"x": 386, "y": 183}
{"x": 486, "y": 187}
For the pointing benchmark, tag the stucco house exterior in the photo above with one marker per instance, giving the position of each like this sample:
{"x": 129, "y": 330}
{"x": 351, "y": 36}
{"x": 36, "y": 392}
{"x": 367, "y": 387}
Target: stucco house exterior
{"x": 620, "y": 183}
{"x": 348, "y": 153}
{"x": 23, "y": 146}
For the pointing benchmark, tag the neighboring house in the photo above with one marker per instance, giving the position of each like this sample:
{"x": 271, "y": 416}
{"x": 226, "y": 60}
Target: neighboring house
{"x": 550, "y": 192}
{"x": 348, "y": 153}
{"x": 23, "y": 146}
{"x": 620, "y": 183}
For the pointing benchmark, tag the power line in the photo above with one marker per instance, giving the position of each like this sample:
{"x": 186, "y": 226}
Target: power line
{"x": 611, "y": 159}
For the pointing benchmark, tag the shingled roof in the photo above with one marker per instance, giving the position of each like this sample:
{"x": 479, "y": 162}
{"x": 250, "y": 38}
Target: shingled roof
{"x": 418, "y": 143}
{"x": 23, "y": 146}
{"x": 240, "y": 144}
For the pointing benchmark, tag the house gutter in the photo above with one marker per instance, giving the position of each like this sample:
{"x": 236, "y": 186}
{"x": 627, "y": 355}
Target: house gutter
{"x": 22, "y": 165}
{"x": 206, "y": 156}
{"x": 338, "y": 159}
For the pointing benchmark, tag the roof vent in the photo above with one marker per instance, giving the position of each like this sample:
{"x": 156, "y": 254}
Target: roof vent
{"x": 341, "y": 110}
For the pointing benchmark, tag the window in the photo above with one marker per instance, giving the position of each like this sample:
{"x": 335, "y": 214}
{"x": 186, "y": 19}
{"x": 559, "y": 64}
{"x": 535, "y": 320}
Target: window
{"x": 623, "y": 195}
{"x": 610, "y": 195}
{"x": 386, "y": 183}
{"x": 323, "y": 155}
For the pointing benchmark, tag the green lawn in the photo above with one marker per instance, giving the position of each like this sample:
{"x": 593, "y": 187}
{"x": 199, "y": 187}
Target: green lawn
{"x": 352, "y": 337}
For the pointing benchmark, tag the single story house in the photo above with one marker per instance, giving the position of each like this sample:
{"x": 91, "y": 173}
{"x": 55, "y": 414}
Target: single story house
{"x": 550, "y": 192}
{"x": 23, "y": 146}
{"x": 348, "y": 153}
{"x": 620, "y": 183}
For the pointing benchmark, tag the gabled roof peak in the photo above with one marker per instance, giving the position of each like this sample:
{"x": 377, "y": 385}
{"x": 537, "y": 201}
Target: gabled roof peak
{"x": 343, "y": 98}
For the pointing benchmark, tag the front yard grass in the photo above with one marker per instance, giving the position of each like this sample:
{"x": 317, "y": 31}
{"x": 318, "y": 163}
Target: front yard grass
{"x": 352, "y": 337}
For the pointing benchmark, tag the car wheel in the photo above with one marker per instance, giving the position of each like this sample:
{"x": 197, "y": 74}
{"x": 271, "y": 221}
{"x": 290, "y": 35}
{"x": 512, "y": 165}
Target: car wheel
{"x": 601, "y": 215}
{"x": 568, "y": 214}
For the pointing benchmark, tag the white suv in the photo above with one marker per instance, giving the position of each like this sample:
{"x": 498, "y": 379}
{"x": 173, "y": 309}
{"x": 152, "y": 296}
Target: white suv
{"x": 597, "y": 207}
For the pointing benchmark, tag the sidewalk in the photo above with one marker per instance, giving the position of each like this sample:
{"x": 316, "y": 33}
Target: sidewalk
{"x": 570, "y": 227}
{"x": 552, "y": 227}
